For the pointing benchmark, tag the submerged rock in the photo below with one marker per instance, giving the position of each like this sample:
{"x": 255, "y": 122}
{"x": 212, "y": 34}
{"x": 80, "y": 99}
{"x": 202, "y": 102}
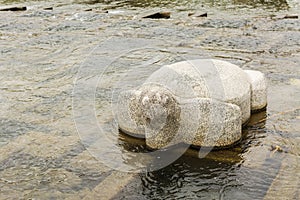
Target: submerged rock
{"x": 159, "y": 15}
{"x": 14, "y": 8}
{"x": 290, "y": 16}
{"x": 48, "y": 8}
{"x": 198, "y": 15}
{"x": 198, "y": 102}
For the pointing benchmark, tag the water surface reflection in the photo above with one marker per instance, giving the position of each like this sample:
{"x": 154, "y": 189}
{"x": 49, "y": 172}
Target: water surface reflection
{"x": 222, "y": 174}
{"x": 42, "y": 156}
{"x": 194, "y": 4}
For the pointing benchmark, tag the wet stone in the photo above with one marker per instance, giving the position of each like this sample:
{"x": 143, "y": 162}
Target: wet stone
{"x": 48, "y": 8}
{"x": 198, "y": 102}
{"x": 198, "y": 14}
{"x": 291, "y": 17}
{"x": 159, "y": 15}
{"x": 287, "y": 16}
{"x": 14, "y": 8}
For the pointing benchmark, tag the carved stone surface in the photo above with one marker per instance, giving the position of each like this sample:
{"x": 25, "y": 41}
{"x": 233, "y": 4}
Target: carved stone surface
{"x": 199, "y": 102}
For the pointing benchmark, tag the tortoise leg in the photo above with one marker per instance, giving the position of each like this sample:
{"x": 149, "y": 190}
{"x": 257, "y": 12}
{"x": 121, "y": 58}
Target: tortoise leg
{"x": 258, "y": 84}
{"x": 218, "y": 123}
{"x": 202, "y": 122}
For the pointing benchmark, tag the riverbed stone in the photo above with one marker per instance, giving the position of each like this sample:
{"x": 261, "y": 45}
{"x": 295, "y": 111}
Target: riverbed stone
{"x": 201, "y": 102}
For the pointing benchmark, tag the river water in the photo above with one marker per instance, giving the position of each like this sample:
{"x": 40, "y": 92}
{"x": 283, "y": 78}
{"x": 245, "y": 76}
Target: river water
{"x": 42, "y": 152}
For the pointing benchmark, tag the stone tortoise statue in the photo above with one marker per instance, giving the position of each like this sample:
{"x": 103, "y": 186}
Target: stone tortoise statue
{"x": 200, "y": 102}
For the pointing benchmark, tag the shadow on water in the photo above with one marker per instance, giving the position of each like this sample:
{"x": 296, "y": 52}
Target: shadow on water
{"x": 266, "y": 4}
{"x": 187, "y": 177}
{"x": 34, "y": 137}
{"x": 216, "y": 176}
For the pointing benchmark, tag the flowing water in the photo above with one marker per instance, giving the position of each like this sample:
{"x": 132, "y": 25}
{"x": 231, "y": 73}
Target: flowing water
{"x": 43, "y": 49}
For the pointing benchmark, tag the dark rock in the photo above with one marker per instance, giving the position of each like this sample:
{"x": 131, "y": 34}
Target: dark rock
{"x": 202, "y": 15}
{"x": 159, "y": 15}
{"x": 14, "y": 9}
{"x": 89, "y": 9}
{"x": 290, "y": 17}
{"x": 48, "y": 8}
{"x": 198, "y": 15}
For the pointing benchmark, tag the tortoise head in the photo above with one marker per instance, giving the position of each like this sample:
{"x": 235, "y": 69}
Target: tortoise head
{"x": 156, "y": 109}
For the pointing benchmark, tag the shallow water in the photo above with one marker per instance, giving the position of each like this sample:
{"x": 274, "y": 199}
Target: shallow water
{"x": 42, "y": 51}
